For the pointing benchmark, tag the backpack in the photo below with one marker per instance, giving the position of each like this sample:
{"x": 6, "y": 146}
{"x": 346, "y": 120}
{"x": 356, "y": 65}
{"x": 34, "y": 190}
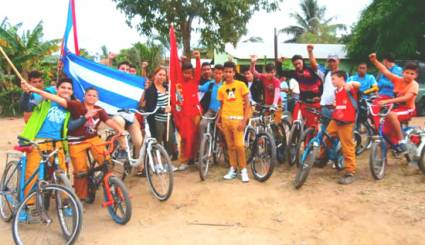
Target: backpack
{"x": 205, "y": 101}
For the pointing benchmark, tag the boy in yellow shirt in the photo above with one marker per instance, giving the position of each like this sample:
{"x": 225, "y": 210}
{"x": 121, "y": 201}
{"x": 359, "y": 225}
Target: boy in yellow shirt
{"x": 232, "y": 119}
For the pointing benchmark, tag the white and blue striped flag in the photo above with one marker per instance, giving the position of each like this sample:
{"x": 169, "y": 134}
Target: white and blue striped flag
{"x": 116, "y": 89}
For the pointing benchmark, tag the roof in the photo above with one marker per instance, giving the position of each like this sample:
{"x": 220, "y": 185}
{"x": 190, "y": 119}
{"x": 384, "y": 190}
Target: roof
{"x": 321, "y": 51}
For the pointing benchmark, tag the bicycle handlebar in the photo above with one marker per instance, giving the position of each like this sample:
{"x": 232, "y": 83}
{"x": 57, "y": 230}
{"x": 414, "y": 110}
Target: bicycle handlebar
{"x": 139, "y": 112}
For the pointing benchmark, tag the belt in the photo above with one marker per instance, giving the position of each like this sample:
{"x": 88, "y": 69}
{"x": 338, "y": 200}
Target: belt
{"x": 234, "y": 118}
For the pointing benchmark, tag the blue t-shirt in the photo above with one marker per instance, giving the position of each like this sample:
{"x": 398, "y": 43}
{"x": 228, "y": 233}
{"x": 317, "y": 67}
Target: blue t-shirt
{"x": 386, "y": 87}
{"x": 214, "y": 103}
{"x": 53, "y": 124}
{"x": 366, "y": 82}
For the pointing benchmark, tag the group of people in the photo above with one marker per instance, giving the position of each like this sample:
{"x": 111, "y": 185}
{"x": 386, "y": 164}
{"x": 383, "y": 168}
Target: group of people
{"x": 222, "y": 91}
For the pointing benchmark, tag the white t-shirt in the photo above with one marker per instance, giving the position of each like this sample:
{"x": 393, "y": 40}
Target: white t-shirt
{"x": 328, "y": 96}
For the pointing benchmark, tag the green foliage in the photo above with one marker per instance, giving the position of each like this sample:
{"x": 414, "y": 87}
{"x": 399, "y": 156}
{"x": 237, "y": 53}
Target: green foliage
{"x": 9, "y": 101}
{"x": 218, "y": 21}
{"x": 390, "y": 26}
{"x": 312, "y": 26}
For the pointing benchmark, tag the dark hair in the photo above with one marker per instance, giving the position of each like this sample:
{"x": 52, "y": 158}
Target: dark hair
{"x": 243, "y": 70}
{"x": 296, "y": 57}
{"x": 187, "y": 66}
{"x": 219, "y": 67}
{"x": 34, "y": 74}
{"x": 229, "y": 64}
{"x": 389, "y": 56}
{"x": 91, "y": 89}
{"x": 132, "y": 66}
{"x": 362, "y": 63}
{"x": 270, "y": 67}
{"x": 340, "y": 73}
{"x": 411, "y": 66}
{"x": 64, "y": 80}
{"x": 205, "y": 64}
{"x": 123, "y": 63}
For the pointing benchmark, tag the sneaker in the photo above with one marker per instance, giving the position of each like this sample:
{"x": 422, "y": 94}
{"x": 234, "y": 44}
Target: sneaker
{"x": 347, "y": 179}
{"x": 231, "y": 174}
{"x": 122, "y": 155}
{"x": 244, "y": 175}
{"x": 67, "y": 211}
{"x": 401, "y": 148}
{"x": 173, "y": 168}
{"x": 183, "y": 167}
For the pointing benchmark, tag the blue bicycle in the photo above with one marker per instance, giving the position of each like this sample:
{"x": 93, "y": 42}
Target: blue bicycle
{"x": 33, "y": 220}
{"x": 309, "y": 149}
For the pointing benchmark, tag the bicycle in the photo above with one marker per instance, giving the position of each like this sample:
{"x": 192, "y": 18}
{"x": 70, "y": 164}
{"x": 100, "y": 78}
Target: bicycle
{"x": 364, "y": 122}
{"x": 212, "y": 148}
{"x": 260, "y": 145}
{"x": 115, "y": 193}
{"x": 155, "y": 158}
{"x": 26, "y": 211}
{"x": 312, "y": 150}
{"x": 378, "y": 159}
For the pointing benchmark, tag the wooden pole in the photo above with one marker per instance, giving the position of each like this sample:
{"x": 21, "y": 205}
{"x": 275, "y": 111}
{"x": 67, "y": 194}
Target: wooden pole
{"x": 11, "y": 64}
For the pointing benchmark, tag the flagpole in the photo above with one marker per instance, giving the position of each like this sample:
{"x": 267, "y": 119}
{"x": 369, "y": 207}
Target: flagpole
{"x": 11, "y": 64}
{"x": 169, "y": 98}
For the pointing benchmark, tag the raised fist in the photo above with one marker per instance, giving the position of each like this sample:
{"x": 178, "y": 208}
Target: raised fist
{"x": 196, "y": 54}
{"x": 310, "y": 48}
{"x": 372, "y": 57}
{"x": 253, "y": 58}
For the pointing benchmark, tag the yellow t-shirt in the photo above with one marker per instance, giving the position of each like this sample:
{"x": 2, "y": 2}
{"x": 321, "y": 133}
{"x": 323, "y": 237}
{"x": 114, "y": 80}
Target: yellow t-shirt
{"x": 231, "y": 98}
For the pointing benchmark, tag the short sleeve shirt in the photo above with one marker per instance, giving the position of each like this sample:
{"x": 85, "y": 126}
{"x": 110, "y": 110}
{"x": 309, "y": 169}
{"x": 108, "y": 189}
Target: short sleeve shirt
{"x": 402, "y": 88}
{"x": 386, "y": 87}
{"x": 232, "y": 98}
{"x": 53, "y": 124}
{"x": 366, "y": 82}
{"x": 89, "y": 128}
{"x": 328, "y": 96}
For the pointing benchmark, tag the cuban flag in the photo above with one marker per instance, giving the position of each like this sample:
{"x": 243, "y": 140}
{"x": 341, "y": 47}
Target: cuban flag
{"x": 117, "y": 89}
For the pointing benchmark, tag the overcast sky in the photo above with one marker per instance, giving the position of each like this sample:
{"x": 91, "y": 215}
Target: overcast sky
{"x": 100, "y": 23}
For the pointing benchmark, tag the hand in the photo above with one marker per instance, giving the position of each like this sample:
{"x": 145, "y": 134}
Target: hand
{"x": 168, "y": 109}
{"x": 372, "y": 57}
{"x": 121, "y": 132}
{"x": 111, "y": 55}
{"x": 91, "y": 113}
{"x": 382, "y": 102}
{"x": 183, "y": 58}
{"x": 144, "y": 64}
{"x": 281, "y": 59}
{"x": 253, "y": 59}
{"x": 196, "y": 54}
{"x": 28, "y": 88}
{"x": 310, "y": 48}
{"x": 348, "y": 86}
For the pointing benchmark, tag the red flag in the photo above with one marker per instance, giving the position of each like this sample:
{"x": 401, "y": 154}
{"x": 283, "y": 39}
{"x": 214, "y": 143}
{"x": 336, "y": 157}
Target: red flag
{"x": 175, "y": 77}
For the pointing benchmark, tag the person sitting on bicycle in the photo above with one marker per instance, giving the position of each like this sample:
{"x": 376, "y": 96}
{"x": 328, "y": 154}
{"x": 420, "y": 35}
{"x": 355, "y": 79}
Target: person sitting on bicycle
{"x": 90, "y": 116}
{"x": 310, "y": 86}
{"x": 271, "y": 87}
{"x": 342, "y": 121}
{"x": 406, "y": 89}
{"x": 213, "y": 105}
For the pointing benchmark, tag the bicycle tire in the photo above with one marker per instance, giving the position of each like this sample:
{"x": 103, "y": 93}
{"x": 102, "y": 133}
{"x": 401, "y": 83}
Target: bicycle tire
{"x": 157, "y": 148}
{"x": 286, "y": 124}
{"x": 294, "y": 137}
{"x": 308, "y": 133}
{"x": 205, "y": 156}
{"x": 361, "y": 147}
{"x": 421, "y": 162}
{"x": 119, "y": 194}
{"x": 75, "y": 208}
{"x": 249, "y": 138}
{"x": 303, "y": 170}
{"x": 8, "y": 190}
{"x": 280, "y": 141}
{"x": 267, "y": 154}
{"x": 378, "y": 160}
{"x": 121, "y": 169}
{"x": 220, "y": 153}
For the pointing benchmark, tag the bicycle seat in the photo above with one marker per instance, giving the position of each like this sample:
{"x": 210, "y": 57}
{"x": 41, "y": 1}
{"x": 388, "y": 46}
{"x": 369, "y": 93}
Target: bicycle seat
{"x": 23, "y": 148}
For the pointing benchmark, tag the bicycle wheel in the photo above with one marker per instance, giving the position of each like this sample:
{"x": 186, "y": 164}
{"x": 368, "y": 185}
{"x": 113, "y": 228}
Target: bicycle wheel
{"x": 281, "y": 142}
{"x": 363, "y": 142}
{"x": 378, "y": 159}
{"x": 220, "y": 152}
{"x": 286, "y": 124}
{"x": 264, "y": 157}
{"x": 421, "y": 162}
{"x": 205, "y": 156}
{"x": 305, "y": 138}
{"x": 294, "y": 137}
{"x": 249, "y": 139}
{"x": 307, "y": 161}
{"x": 121, "y": 168}
{"x": 34, "y": 225}
{"x": 159, "y": 172}
{"x": 8, "y": 190}
{"x": 120, "y": 210}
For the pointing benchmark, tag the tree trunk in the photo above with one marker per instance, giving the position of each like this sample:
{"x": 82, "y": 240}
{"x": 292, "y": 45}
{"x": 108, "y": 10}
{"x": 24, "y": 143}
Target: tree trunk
{"x": 186, "y": 28}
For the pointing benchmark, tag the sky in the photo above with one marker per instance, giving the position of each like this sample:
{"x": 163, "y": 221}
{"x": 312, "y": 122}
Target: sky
{"x": 100, "y": 23}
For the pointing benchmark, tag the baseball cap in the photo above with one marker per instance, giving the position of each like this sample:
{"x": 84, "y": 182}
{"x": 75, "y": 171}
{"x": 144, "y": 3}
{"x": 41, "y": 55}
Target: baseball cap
{"x": 333, "y": 57}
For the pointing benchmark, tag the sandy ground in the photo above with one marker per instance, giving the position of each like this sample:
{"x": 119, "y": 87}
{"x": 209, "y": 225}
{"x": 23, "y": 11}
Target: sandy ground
{"x": 391, "y": 211}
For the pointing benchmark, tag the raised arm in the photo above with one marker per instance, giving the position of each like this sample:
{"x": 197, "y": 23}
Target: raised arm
{"x": 252, "y": 66}
{"x": 197, "y": 56}
{"x": 46, "y": 95}
{"x": 383, "y": 69}
{"x": 313, "y": 61}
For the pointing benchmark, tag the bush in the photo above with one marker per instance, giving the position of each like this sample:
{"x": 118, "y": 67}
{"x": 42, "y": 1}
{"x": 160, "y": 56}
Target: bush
{"x": 9, "y": 102}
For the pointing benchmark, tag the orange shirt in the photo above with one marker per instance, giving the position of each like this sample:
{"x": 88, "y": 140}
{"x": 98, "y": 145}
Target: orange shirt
{"x": 402, "y": 88}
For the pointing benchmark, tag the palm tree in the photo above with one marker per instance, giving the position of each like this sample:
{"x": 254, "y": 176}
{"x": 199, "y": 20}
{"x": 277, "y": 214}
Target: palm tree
{"x": 311, "y": 22}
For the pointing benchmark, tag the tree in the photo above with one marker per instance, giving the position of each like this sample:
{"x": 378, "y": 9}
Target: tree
{"x": 312, "y": 25}
{"x": 218, "y": 21}
{"x": 390, "y": 26}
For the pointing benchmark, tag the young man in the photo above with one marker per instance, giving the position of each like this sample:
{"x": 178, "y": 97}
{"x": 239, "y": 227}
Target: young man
{"x": 132, "y": 69}
{"x": 386, "y": 87}
{"x": 256, "y": 92}
{"x": 289, "y": 92}
{"x": 367, "y": 81}
{"x": 189, "y": 110}
{"x": 406, "y": 90}
{"x": 211, "y": 87}
{"x": 28, "y": 101}
{"x": 342, "y": 122}
{"x": 232, "y": 119}
{"x": 206, "y": 73}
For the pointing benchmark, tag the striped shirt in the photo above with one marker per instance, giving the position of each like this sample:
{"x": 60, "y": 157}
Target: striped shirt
{"x": 162, "y": 103}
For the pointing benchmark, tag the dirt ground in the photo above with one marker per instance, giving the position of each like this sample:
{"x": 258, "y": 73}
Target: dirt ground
{"x": 391, "y": 211}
